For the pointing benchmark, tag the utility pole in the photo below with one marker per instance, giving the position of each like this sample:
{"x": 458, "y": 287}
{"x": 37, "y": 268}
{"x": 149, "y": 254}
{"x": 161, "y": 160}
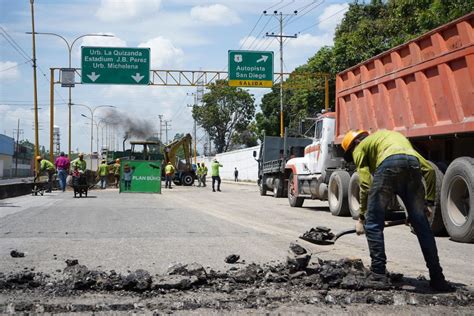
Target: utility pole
{"x": 280, "y": 16}
{"x": 196, "y": 100}
{"x": 35, "y": 84}
{"x": 166, "y": 129}
{"x": 161, "y": 131}
{"x": 17, "y": 151}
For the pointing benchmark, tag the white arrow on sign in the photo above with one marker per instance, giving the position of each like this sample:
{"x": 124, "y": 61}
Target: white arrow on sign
{"x": 138, "y": 77}
{"x": 93, "y": 76}
{"x": 263, "y": 58}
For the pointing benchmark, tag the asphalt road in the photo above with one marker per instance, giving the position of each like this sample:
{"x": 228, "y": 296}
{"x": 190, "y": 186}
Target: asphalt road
{"x": 124, "y": 232}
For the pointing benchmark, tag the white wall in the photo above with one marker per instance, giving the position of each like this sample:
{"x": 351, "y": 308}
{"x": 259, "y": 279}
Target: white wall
{"x": 242, "y": 159}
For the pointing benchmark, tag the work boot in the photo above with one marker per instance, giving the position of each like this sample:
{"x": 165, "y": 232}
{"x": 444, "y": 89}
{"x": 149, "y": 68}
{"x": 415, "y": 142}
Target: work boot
{"x": 219, "y": 190}
{"x": 441, "y": 285}
{"x": 378, "y": 281}
{"x": 213, "y": 190}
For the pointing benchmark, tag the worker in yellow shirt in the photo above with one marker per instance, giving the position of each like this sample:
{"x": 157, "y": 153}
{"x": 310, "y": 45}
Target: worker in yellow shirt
{"x": 169, "y": 172}
{"x": 103, "y": 172}
{"x": 46, "y": 166}
{"x": 387, "y": 165}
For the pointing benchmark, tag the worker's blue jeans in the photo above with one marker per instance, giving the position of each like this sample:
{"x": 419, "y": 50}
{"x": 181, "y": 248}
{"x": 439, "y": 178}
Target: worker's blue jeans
{"x": 401, "y": 175}
{"x": 62, "y": 175}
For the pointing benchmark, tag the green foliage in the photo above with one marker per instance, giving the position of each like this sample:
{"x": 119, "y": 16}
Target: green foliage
{"x": 367, "y": 29}
{"x": 225, "y": 110}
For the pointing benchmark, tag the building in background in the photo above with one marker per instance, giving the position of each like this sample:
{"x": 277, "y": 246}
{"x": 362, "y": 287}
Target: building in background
{"x": 7, "y": 148}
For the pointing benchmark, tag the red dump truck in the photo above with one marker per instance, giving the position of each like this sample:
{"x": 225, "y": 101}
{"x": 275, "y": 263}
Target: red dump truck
{"x": 425, "y": 90}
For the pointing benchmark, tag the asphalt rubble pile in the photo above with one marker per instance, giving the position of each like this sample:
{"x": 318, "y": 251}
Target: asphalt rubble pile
{"x": 341, "y": 282}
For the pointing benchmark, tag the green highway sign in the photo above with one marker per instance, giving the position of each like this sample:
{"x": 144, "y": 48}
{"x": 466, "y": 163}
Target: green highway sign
{"x": 115, "y": 65}
{"x": 250, "y": 69}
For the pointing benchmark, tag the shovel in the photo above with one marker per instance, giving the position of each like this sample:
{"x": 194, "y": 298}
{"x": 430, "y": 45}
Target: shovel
{"x": 323, "y": 236}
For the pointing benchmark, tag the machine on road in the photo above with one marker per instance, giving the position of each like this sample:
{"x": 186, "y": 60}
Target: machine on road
{"x": 273, "y": 155}
{"x": 184, "y": 174}
{"x": 422, "y": 89}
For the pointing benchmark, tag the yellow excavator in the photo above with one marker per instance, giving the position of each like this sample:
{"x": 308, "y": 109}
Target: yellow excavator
{"x": 185, "y": 173}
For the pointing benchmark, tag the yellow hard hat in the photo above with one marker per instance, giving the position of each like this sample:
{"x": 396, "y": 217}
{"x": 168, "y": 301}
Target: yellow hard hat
{"x": 351, "y": 136}
{"x": 39, "y": 158}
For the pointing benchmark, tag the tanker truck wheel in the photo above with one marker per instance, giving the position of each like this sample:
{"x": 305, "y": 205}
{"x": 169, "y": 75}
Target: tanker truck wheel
{"x": 457, "y": 200}
{"x": 337, "y": 193}
{"x": 295, "y": 201}
{"x": 353, "y": 195}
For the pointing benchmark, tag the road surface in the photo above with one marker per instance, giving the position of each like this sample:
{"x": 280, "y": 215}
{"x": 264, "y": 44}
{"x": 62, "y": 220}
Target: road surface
{"x": 124, "y": 232}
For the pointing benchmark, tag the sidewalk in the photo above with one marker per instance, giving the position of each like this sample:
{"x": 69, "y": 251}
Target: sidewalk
{"x": 245, "y": 182}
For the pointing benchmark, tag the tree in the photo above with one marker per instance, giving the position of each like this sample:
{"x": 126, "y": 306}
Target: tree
{"x": 246, "y": 138}
{"x": 367, "y": 29}
{"x": 225, "y": 110}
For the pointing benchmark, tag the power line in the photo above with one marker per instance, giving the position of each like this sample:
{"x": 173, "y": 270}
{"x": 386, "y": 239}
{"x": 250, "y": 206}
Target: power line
{"x": 25, "y": 55}
{"x": 313, "y": 25}
{"x": 14, "y": 66}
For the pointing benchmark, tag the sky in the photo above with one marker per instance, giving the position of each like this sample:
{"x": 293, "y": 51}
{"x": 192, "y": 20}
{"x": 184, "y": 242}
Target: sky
{"x": 181, "y": 35}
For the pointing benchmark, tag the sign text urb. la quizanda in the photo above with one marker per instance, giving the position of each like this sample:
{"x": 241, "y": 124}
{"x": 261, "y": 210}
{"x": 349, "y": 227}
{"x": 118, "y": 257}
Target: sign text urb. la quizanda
{"x": 250, "y": 69}
{"x": 115, "y": 65}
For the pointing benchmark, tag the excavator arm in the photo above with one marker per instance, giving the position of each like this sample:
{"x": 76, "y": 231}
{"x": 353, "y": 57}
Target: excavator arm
{"x": 173, "y": 147}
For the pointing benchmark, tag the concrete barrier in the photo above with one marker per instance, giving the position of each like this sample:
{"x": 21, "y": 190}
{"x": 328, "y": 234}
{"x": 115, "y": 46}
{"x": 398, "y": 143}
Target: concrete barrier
{"x": 15, "y": 189}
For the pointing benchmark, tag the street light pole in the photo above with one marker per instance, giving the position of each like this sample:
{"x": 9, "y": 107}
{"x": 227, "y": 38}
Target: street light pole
{"x": 69, "y": 47}
{"x": 92, "y": 110}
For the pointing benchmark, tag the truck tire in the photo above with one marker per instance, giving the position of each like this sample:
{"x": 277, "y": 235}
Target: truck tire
{"x": 337, "y": 193}
{"x": 457, "y": 199}
{"x": 187, "y": 179}
{"x": 277, "y": 188}
{"x": 295, "y": 201}
{"x": 436, "y": 218}
{"x": 262, "y": 187}
{"x": 353, "y": 195}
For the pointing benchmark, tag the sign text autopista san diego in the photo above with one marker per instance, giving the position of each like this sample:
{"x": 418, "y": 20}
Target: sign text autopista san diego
{"x": 250, "y": 69}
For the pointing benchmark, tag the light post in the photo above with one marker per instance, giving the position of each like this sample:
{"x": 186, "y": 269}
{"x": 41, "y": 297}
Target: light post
{"x": 92, "y": 110}
{"x": 69, "y": 47}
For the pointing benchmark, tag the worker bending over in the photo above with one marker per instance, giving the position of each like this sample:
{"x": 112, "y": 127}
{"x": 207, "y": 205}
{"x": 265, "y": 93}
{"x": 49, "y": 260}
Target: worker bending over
{"x": 396, "y": 169}
{"x": 46, "y": 166}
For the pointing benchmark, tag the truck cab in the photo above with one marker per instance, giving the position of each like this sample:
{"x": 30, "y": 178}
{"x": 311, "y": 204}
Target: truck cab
{"x": 309, "y": 175}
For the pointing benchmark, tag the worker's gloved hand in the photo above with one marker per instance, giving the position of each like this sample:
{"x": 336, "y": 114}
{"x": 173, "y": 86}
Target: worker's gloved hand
{"x": 359, "y": 227}
{"x": 429, "y": 208}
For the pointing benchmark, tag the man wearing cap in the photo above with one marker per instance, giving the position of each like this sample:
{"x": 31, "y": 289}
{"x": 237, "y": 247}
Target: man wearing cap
{"x": 117, "y": 172}
{"x": 396, "y": 168}
{"x": 80, "y": 163}
{"x": 215, "y": 175}
{"x": 103, "y": 172}
{"x": 169, "y": 172}
{"x": 62, "y": 165}
{"x": 47, "y": 166}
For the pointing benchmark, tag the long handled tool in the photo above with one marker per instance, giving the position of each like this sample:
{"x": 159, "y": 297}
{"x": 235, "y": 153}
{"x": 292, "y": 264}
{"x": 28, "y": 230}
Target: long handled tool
{"x": 323, "y": 236}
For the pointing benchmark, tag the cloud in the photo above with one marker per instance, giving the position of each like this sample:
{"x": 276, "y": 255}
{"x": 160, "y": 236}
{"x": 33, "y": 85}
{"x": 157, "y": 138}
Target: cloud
{"x": 164, "y": 53}
{"x": 332, "y": 16}
{"x": 119, "y": 10}
{"x": 215, "y": 14}
{"x": 103, "y": 41}
{"x": 294, "y": 50}
{"x": 9, "y": 70}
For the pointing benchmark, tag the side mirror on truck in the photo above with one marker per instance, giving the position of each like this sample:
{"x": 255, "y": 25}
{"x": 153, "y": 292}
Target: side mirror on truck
{"x": 301, "y": 127}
